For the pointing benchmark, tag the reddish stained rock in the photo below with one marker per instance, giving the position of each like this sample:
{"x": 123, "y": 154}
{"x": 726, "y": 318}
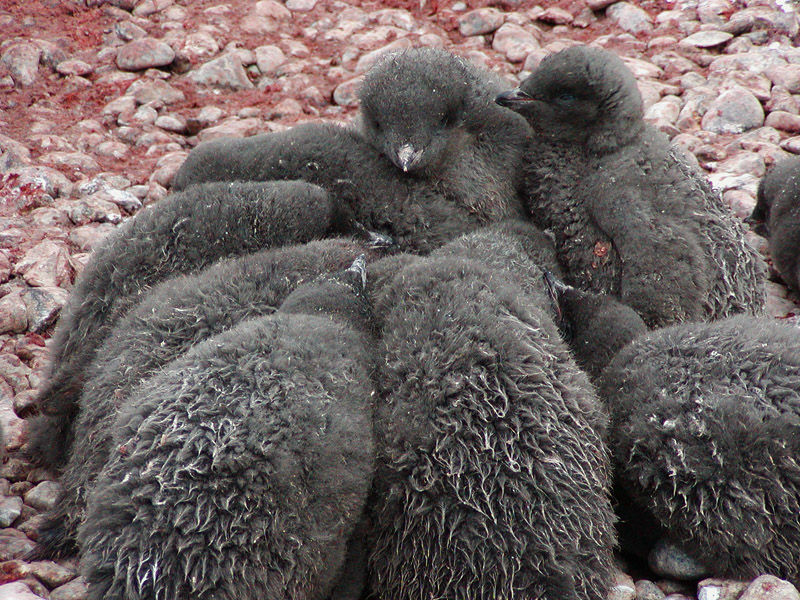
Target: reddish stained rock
{"x": 17, "y": 591}
{"x": 13, "y": 313}
{"x": 784, "y": 121}
{"x": 74, "y": 67}
{"x": 768, "y": 587}
{"x": 480, "y": 21}
{"x": 22, "y": 61}
{"x": 45, "y": 265}
{"x": 514, "y": 42}
{"x": 43, "y": 305}
{"x": 223, "y": 72}
{"x": 14, "y": 544}
{"x": 144, "y": 53}
{"x": 555, "y": 16}
{"x": 74, "y": 590}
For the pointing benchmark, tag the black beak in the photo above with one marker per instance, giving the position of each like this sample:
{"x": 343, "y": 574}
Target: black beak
{"x": 555, "y": 287}
{"x": 513, "y": 98}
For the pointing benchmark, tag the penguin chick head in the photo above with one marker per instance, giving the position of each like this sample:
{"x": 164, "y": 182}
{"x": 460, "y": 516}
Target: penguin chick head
{"x": 414, "y": 105}
{"x": 595, "y": 326}
{"x": 340, "y": 295}
{"x": 580, "y": 95}
{"x": 781, "y": 181}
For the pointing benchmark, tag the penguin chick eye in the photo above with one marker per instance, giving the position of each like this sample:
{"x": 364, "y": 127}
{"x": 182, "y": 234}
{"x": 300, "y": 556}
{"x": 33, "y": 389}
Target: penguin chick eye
{"x": 566, "y": 98}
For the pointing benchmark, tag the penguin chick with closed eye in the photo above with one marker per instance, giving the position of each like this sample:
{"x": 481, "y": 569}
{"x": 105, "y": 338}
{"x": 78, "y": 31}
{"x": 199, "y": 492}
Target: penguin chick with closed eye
{"x": 242, "y": 468}
{"x": 173, "y": 316}
{"x": 705, "y": 423}
{"x": 777, "y": 216}
{"x": 182, "y": 233}
{"x": 630, "y": 216}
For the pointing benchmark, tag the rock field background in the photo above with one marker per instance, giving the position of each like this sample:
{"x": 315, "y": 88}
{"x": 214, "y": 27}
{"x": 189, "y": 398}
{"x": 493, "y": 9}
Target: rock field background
{"x": 100, "y": 104}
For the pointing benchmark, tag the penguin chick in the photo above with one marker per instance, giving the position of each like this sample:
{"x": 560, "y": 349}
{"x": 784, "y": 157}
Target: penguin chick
{"x": 777, "y": 216}
{"x": 704, "y": 432}
{"x": 491, "y": 481}
{"x": 242, "y": 468}
{"x": 630, "y": 216}
{"x": 183, "y": 233}
{"x": 432, "y": 114}
{"x": 466, "y": 168}
{"x": 174, "y": 316}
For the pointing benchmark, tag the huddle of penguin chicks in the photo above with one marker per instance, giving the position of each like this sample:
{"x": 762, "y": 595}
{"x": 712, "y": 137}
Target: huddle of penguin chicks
{"x": 241, "y": 408}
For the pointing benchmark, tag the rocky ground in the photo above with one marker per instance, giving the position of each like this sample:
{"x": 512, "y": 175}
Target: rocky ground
{"x": 99, "y": 105}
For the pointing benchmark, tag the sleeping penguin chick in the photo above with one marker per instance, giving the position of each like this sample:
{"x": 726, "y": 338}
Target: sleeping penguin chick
{"x": 630, "y": 217}
{"x": 705, "y": 432}
{"x": 183, "y": 233}
{"x": 241, "y": 469}
{"x": 174, "y": 316}
{"x": 777, "y": 216}
{"x": 491, "y": 481}
{"x": 463, "y": 154}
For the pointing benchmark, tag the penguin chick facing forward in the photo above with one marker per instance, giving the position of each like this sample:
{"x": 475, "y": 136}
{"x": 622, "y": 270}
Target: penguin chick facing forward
{"x": 183, "y": 233}
{"x": 461, "y": 163}
{"x": 433, "y": 115}
{"x": 242, "y": 467}
{"x": 174, "y": 316}
{"x": 777, "y": 216}
{"x": 630, "y": 216}
{"x": 491, "y": 480}
{"x": 705, "y": 423}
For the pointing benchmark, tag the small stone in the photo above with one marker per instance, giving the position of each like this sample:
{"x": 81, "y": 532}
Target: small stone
{"x": 791, "y": 144}
{"x": 740, "y": 202}
{"x": 13, "y": 313}
{"x": 200, "y": 44}
{"x": 555, "y": 16}
{"x": 647, "y": 590}
{"x": 514, "y": 41}
{"x": 268, "y": 59}
{"x": 166, "y": 168}
{"x": 10, "y": 509}
{"x": 74, "y": 67}
{"x": 127, "y": 31}
{"x": 43, "y": 304}
{"x": 93, "y": 209}
{"x": 630, "y": 17}
{"x": 231, "y": 128}
{"x": 87, "y": 237}
{"x": 667, "y": 560}
{"x": 623, "y": 587}
{"x": 272, "y": 9}
{"x": 768, "y": 587}
{"x": 706, "y": 39}
{"x": 664, "y": 110}
{"x": 14, "y": 544}
{"x": 720, "y": 589}
{"x": 145, "y": 8}
{"x": 145, "y": 91}
{"x": 44, "y": 496}
{"x": 45, "y": 265}
{"x": 301, "y": 5}
{"x": 787, "y": 76}
{"x": 22, "y": 61}
{"x": 51, "y": 574}
{"x": 170, "y": 123}
{"x": 784, "y": 121}
{"x": 599, "y": 4}
{"x": 144, "y": 53}
{"x": 346, "y": 93}
{"x": 480, "y": 21}
{"x": 223, "y": 72}
{"x": 735, "y": 111}
{"x": 76, "y": 160}
{"x": 74, "y": 590}
{"x": 17, "y": 591}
